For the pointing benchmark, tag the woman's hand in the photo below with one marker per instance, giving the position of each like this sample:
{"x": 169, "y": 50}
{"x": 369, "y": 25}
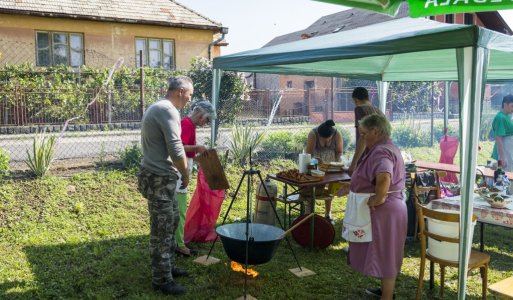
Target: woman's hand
{"x": 375, "y": 200}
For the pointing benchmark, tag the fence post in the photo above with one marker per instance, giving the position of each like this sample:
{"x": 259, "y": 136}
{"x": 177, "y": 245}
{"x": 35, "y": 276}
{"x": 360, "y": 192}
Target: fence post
{"x": 141, "y": 72}
{"x": 109, "y": 103}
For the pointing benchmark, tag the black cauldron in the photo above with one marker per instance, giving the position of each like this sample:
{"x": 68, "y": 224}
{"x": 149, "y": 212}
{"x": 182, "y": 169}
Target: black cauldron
{"x": 262, "y": 244}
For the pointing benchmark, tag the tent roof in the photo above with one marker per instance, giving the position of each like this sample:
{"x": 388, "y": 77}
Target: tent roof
{"x": 399, "y": 50}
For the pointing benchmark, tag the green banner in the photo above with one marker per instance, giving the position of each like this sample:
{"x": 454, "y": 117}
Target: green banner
{"x": 421, "y": 8}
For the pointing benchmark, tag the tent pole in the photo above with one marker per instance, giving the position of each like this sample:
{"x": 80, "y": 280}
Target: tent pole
{"x": 447, "y": 93}
{"x": 472, "y": 70}
{"x": 383, "y": 91}
{"x": 216, "y": 82}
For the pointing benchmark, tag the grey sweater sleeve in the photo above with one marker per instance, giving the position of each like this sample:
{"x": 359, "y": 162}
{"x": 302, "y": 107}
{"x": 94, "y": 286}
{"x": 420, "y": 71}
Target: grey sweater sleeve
{"x": 169, "y": 122}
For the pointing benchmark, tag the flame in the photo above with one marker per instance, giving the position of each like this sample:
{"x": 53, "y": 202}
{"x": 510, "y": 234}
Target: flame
{"x": 239, "y": 268}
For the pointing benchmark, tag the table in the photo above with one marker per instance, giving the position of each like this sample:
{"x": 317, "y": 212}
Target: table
{"x": 484, "y": 212}
{"x": 426, "y": 165}
{"x": 503, "y": 288}
{"x": 328, "y": 178}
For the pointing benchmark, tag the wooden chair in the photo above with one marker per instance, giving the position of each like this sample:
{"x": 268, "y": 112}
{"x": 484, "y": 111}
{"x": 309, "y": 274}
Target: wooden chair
{"x": 477, "y": 259}
{"x": 425, "y": 191}
{"x": 436, "y": 187}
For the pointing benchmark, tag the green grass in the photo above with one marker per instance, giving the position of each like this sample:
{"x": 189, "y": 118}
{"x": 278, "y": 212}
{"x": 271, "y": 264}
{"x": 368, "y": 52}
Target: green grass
{"x": 86, "y": 237}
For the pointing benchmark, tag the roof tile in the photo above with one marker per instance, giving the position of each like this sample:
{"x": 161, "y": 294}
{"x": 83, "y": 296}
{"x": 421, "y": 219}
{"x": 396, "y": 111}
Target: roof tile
{"x": 143, "y": 11}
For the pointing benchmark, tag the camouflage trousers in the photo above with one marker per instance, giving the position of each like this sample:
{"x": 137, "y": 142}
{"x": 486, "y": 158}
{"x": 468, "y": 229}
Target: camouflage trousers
{"x": 164, "y": 218}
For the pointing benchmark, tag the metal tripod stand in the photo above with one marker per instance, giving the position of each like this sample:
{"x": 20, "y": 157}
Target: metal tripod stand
{"x": 248, "y": 174}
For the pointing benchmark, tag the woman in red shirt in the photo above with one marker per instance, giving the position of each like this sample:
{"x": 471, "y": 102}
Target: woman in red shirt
{"x": 201, "y": 114}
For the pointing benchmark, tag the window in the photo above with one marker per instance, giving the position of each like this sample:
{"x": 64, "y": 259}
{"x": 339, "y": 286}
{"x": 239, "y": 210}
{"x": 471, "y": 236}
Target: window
{"x": 289, "y": 84}
{"x": 59, "y": 48}
{"x": 449, "y": 19}
{"x": 469, "y": 19}
{"x": 156, "y": 53}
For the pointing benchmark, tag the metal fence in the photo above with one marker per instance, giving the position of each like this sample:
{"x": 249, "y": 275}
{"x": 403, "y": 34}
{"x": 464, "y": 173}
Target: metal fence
{"x": 112, "y": 123}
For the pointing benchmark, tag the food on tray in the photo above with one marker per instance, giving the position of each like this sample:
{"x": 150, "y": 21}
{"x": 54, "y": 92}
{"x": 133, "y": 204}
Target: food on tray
{"x": 294, "y": 175}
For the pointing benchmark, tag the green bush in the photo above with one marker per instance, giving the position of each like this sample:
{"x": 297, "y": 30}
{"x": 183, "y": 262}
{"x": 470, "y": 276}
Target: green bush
{"x": 407, "y": 134}
{"x": 4, "y": 163}
{"x": 131, "y": 156}
{"x": 43, "y": 150}
{"x": 283, "y": 144}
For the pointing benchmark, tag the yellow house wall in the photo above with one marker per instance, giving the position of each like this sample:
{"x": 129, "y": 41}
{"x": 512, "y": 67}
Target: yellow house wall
{"x": 104, "y": 42}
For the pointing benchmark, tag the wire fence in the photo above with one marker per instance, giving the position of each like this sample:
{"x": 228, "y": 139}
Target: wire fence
{"x": 112, "y": 123}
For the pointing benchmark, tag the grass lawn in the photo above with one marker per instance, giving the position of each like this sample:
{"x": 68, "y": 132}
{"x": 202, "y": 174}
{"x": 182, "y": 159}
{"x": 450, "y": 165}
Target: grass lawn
{"x": 86, "y": 237}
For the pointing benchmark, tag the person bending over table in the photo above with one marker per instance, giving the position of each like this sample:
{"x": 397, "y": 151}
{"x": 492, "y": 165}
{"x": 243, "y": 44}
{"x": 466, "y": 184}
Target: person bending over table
{"x": 325, "y": 143}
{"x": 502, "y": 126}
{"x": 377, "y": 181}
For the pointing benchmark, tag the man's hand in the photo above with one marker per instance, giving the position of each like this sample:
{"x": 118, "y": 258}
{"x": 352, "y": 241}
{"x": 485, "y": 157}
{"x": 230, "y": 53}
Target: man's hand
{"x": 185, "y": 181}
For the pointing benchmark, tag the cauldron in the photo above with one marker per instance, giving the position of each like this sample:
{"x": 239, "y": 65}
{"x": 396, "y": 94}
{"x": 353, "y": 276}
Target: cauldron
{"x": 263, "y": 242}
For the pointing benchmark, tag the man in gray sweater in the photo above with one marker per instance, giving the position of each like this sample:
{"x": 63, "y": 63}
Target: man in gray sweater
{"x": 163, "y": 159}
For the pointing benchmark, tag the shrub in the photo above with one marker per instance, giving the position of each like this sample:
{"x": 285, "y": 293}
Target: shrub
{"x": 407, "y": 134}
{"x": 283, "y": 144}
{"x": 4, "y": 163}
{"x": 131, "y": 156}
{"x": 43, "y": 150}
{"x": 244, "y": 142}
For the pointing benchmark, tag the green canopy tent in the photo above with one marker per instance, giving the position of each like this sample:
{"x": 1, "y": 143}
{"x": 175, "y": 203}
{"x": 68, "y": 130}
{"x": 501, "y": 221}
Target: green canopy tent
{"x": 424, "y": 7}
{"x": 400, "y": 50}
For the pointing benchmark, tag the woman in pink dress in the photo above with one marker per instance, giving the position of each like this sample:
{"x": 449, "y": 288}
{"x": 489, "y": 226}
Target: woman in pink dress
{"x": 380, "y": 174}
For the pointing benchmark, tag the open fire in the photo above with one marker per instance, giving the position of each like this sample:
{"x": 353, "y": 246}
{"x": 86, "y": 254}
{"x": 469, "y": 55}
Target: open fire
{"x": 239, "y": 268}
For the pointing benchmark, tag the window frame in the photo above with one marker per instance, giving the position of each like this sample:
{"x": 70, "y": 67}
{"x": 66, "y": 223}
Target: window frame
{"x": 146, "y": 52}
{"x": 50, "y": 34}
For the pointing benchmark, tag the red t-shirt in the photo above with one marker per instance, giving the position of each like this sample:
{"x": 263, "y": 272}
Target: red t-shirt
{"x": 188, "y": 135}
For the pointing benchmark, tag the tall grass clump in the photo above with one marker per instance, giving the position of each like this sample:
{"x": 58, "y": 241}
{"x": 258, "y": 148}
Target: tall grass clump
{"x": 43, "y": 150}
{"x": 131, "y": 156}
{"x": 244, "y": 141}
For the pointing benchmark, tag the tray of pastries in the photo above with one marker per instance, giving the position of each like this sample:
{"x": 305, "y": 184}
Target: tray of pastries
{"x": 294, "y": 175}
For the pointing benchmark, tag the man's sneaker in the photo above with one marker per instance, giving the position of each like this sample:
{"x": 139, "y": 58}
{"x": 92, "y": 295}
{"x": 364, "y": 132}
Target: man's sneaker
{"x": 376, "y": 292}
{"x": 179, "y": 272}
{"x": 169, "y": 288}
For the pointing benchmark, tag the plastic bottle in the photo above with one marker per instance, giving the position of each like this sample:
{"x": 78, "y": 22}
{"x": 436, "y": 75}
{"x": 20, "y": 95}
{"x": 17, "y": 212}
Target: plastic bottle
{"x": 498, "y": 171}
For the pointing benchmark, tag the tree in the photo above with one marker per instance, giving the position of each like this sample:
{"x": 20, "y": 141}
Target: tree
{"x": 412, "y": 97}
{"x": 232, "y": 94}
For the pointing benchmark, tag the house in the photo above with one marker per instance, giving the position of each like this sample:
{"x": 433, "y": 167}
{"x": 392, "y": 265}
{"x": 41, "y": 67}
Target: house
{"x": 325, "y": 98}
{"x": 98, "y": 32}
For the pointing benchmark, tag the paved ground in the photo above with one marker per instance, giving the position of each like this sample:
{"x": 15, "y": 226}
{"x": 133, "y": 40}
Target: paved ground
{"x": 94, "y": 145}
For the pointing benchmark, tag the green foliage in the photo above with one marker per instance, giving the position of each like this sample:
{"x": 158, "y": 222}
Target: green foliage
{"x": 411, "y": 97}
{"x": 244, "y": 142}
{"x": 409, "y": 134}
{"x": 43, "y": 150}
{"x": 4, "y": 163}
{"x": 60, "y": 92}
{"x": 233, "y": 90}
{"x": 131, "y": 156}
{"x": 283, "y": 144}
